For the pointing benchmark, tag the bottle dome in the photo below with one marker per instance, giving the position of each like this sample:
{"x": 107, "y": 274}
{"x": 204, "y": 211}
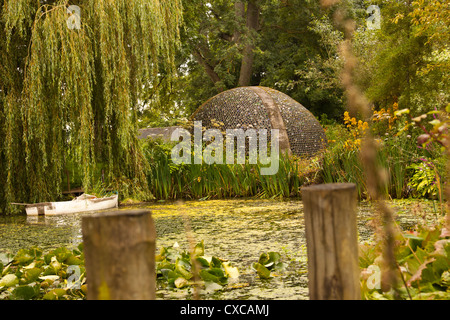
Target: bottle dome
{"x": 265, "y": 108}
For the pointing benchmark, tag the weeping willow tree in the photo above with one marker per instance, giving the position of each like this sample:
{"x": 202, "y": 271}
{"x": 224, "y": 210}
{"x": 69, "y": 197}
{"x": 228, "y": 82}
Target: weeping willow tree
{"x": 70, "y": 83}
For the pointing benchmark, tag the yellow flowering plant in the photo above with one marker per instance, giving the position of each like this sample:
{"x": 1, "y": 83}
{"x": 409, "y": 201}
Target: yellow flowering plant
{"x": 384, "y": 120}
{"x": 357, "y": 129}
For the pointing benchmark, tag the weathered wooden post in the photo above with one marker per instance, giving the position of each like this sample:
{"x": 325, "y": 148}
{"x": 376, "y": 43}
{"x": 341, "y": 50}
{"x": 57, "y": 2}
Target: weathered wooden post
{"x": 119, "y": 251}
{"x": 332, "y": 242}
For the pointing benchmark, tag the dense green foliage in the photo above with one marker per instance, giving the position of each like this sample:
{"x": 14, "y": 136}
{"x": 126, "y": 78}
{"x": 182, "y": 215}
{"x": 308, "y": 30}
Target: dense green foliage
{"x": 31, "y": 274}
{"x": 423, "y": 262}
{"x": 69, "y": 96}
{"x": 71, "y": 100}
{"x": 404, "y": 61}
{"x": 412, "y": 170}
{"x": 294, "y": 50}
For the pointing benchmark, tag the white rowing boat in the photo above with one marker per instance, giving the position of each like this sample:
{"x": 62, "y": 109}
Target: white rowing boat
{"x": 83, "y": 203}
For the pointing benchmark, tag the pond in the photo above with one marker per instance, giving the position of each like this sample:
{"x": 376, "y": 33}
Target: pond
{"x": 236, "y": 230}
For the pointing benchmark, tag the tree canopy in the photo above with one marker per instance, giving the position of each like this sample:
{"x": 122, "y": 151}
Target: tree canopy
{"x": 76, "y": 86}
{"x": 295, "y": 50}
{"x": 68, "y": 94}
{"x": 289, "y": 45}
{"x": 406, "y": 60}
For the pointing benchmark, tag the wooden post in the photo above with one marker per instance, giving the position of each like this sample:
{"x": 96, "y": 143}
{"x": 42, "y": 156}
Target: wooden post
{"x": 332, "y": 242}
{"x": 119, "y": 251}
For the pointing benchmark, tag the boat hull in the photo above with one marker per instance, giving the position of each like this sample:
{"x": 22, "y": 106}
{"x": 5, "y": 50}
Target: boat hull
{"x": 74, "y": 206}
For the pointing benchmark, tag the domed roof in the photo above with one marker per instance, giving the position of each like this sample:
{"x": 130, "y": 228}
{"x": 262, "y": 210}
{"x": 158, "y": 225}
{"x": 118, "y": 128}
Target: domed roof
{"x": 265, "y": 108}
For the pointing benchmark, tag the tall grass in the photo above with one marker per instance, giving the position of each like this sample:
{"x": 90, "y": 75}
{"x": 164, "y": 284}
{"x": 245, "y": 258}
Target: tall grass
{"x": 218, "y": 181}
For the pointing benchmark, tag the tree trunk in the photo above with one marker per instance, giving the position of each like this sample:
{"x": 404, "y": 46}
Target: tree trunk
{"x": 248, "y": 54}
{"x": 239, "y": 11}
{"x": 208, "y": 68}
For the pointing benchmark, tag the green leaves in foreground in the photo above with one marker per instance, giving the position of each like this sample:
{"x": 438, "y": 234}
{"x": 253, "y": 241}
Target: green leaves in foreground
{"x": 423, "y": 258}
{"x": 57, "y": 275}
{"x": 180, "y": 269}
{"x": 268, "y": 261}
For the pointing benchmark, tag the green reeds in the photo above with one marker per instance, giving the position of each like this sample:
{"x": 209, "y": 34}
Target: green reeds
{"x": 218, "y": 181}
{"x": 396, "y": 154}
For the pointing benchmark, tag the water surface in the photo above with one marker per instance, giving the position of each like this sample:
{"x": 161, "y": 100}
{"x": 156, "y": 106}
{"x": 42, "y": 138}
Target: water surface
{"x": 237, "y": 230}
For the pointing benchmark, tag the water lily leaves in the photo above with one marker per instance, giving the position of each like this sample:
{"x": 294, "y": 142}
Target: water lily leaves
{"x": 54, "y": 294}
{"x": 26, "y": 256}
{"x": 49, "y": 278}
{"x": 73, "y": 260}
{"x": 176, "y": 268}
{"x": 31, "y": 275}
{"x": 262, "y": 271}
{"x": 215, "y": 275}
{"x": 53, "y": 267}
{"x": 168, "y": 253}
{"x": 61, "y": 255}
{"x": 9, "y": 280}
{"x": 203, "y": 262}
{"x": 180, "y": 282}
{"x": 24, "y": 293}
{"x": 268, "y": 261}
{"x": 271, "y": 260}
{"x": 199, "y": 249}
{"x": 170, "y": 275}
{"x": 231, "y": 272}
{"x": 165, "y": 265}
{"x": 183, "y": 267}
{"x": 212, "y": 287}
{"x": 215, "y": 262}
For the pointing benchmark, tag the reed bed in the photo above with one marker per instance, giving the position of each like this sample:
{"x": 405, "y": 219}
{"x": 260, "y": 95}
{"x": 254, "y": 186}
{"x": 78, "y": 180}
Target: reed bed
{"x": 169, "y": 181}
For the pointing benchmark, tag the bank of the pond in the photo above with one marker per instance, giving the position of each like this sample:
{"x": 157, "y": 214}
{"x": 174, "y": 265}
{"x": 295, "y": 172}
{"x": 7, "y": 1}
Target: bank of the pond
{"x": 237, "y": 230}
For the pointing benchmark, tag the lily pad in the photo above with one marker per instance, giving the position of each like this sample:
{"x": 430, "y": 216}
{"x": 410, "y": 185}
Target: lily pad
{"x": 183, "y": 267}
{"x": 26, "y": 256}
{"x": 23, "y": 293}
{"x": 31, "y": 275}
{"x": 199, "y": 249}
{"x": 61, "y": 254}
{"x": 269, "y": 259}
{"x": 203, "y": 262}
{"x": 212, "y": 286}
{"x": 213, "y": 275}
{"x": 73, "y": 261}
{"x": 232, "y": 272}
{"x": 215, "y": 262}
{"x": 54, "y": 294}
{"x": 180, "y": 282}
{"x": 262, "y": 271}
{"x": 9, "y": 280}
